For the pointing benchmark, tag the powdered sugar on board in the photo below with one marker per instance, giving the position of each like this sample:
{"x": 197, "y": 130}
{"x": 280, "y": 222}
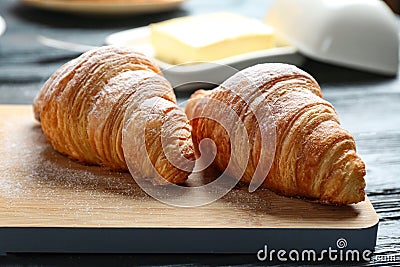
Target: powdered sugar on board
{"x": 41, "y": 188}
{"x": 35, "y": 176}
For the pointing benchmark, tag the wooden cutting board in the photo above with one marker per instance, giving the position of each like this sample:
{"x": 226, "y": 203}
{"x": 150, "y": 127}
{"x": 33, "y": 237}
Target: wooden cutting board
{"x": 49, "y": 203}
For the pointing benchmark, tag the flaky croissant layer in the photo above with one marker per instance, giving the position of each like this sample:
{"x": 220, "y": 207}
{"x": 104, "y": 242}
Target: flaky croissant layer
{"x": 82, "y": 110}
{"x": 314, "y": 156}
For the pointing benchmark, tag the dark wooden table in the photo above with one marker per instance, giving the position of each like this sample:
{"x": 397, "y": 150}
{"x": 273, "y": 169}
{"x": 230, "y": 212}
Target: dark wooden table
{"x": 368, "y": 105}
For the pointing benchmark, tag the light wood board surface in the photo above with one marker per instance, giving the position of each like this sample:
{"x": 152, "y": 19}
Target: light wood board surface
{"x": 41, "y": 188}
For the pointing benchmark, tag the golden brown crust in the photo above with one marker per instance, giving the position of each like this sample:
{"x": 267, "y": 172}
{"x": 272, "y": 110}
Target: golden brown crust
{"x": 82, "y": 106}
{"x": 314, "y": 158}
{"x": 159, "y": 119}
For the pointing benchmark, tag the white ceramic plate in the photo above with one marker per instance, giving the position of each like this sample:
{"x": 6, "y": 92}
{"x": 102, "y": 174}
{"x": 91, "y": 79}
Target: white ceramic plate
{"x": 353, "y": 33}
{"x": 2, "y": 25}
{"x": 188, "y": 77}
{"x": 106, "y": 7}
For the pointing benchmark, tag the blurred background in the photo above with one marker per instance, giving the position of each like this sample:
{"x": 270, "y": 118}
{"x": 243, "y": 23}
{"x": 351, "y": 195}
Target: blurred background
{"x": 26, "y": 60}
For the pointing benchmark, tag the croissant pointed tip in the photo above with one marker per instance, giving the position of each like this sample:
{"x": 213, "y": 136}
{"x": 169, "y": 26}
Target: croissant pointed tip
{"x": 102, "y": 119}
{"x": 252, "y": 188}
{"x": 315, "y": 157}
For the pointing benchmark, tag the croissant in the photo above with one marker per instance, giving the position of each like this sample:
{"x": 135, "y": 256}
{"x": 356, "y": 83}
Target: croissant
{"x": 85, "y": 108}
{"x": 314, "y": 157}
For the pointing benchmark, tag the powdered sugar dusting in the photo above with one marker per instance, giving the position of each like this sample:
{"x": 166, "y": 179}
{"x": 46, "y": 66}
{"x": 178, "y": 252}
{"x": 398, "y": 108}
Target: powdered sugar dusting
{"x": 35, "y": 176}
{"x": 40, "y": 187}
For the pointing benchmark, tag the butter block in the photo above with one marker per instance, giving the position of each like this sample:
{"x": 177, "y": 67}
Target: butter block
{"x": 209, "y": 37}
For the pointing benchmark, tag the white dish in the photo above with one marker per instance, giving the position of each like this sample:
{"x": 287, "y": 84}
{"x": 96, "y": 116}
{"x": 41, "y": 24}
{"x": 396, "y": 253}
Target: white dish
{"x": 188, "y": 77}
{"x": 2, "y": 25}
{"x": 360, "y": 34}
{"x": 106, "y": 7}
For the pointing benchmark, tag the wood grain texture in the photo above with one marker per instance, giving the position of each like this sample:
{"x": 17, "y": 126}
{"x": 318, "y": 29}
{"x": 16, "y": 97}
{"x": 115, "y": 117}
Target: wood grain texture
{"x": 369, "y": 109}
{"x": 42, "y": 188}
{"x": 368, "y": 106}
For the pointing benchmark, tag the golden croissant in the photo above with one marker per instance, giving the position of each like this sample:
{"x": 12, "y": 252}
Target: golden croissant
{"x": 85, "y": 106}
{"x": 314, "y": 157}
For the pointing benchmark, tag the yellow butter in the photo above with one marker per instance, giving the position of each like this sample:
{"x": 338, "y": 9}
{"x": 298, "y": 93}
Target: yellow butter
{"x": 209, "y": 37}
